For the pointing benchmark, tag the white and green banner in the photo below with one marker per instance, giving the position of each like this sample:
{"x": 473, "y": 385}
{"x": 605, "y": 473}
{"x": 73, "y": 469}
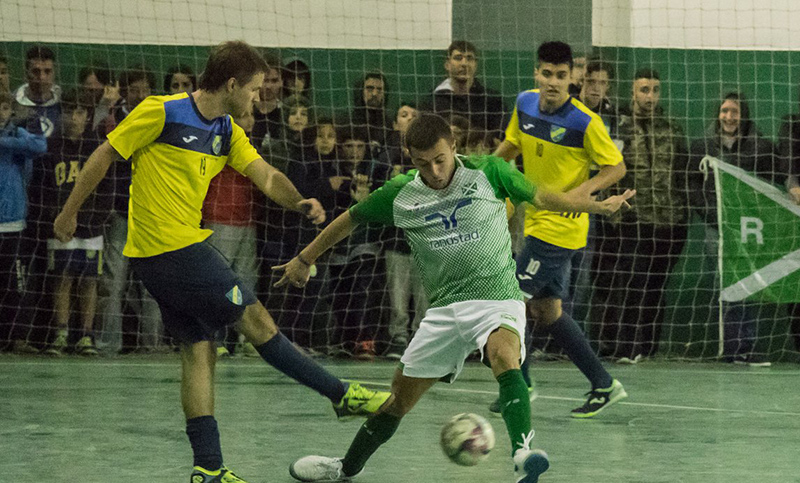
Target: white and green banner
{"x": 759, "y": 238}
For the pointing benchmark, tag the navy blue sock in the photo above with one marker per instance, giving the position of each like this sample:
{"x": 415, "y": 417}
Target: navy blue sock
{"x": 570, "y": 337}
{"x": 283, "y": 356}
{"x": 204, "y": 437}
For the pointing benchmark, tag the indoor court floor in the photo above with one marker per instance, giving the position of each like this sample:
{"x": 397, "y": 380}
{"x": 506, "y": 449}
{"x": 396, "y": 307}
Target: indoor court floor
{"x": 119, "y": 420}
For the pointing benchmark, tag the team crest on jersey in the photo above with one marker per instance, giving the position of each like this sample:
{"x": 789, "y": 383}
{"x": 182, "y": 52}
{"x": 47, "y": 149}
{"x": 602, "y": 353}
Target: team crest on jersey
{"x": 216, "y": 145}
{"x": 557, "y": 133}
{"x": 469, "y": 190}
{"x": 235, "y": 295}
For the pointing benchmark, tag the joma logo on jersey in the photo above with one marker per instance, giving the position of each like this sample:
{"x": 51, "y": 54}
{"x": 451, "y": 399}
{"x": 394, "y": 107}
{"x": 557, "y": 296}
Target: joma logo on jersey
{"x": 450, "y": 222}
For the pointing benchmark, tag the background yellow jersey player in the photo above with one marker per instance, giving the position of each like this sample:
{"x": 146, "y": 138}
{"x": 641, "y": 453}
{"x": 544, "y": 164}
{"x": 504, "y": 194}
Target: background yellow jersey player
{"x": 176, "y": 145}
{"x": 559, "y": 139}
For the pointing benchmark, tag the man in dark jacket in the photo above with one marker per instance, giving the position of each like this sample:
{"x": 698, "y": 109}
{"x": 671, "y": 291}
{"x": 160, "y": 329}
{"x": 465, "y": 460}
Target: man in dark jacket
{"x": 461, "y": 93}
{"x": 733, "y": 138}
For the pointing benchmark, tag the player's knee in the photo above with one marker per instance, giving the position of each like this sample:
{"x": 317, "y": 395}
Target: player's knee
{"x": 503, "y": 358}
{"x": 257, "y": 324}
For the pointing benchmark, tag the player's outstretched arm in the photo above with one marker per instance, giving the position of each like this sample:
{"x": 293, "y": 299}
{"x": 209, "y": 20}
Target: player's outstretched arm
{"x": 90, "y": 176}
{"x": 277, "y": 186}
{"x": 297, "y": 270}
{"x": 576, "y": 201}
{"x": 607, "y": 176}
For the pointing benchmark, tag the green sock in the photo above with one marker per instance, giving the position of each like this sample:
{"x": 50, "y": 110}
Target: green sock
{"x": 515, "y": 406}
{"x": 372, "y": 434}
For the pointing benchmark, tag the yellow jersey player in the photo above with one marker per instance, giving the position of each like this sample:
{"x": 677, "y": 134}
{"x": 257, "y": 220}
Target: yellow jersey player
{"x": 176, "y": 144}
{"x": 560, "y": 139}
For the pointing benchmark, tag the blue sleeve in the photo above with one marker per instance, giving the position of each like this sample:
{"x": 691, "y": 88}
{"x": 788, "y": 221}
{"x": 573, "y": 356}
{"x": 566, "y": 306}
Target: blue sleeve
{"x": 25, "y": 143}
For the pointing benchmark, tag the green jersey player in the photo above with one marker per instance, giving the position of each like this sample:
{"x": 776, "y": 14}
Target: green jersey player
{"x": 453, "y": 212}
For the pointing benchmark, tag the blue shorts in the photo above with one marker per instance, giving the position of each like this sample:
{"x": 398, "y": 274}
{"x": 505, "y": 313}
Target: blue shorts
{"x": 543, "y": 269}
{"x": 197, "y": 291}
{"x": 76, "y": 262}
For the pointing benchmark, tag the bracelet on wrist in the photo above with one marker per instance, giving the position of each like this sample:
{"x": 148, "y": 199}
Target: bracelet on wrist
{"x": 303, "y": 261}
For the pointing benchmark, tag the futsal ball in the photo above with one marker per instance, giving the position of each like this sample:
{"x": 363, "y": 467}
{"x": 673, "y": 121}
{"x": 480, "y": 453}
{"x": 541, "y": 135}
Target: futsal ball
{"x": 467, "y": 439}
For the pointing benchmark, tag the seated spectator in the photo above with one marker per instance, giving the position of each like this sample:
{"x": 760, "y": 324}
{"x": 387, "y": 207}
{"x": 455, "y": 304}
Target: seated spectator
{"x": 267, "y": 110}
{"x": 18, "y": 147}
{"x": 296, "y": 78}
{"x": 78, "y": 262}
{"x": 461, "y": 93}
{"x": 98, "y": 81}
{"x": 369, "y": 110}
{"x": 789, "y": 151}
{"x": 39, "y": 99}
{"x": 180, "y": 78}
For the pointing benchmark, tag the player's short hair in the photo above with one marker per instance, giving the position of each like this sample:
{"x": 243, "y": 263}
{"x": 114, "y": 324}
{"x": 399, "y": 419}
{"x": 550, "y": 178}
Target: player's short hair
{"x": 180, "y": 69}
{"x": 233, "y": 59}
{"x": 101, "y": 71}
{"x": 39, "y": 52}
{"x": 555, "y": 52}
{"x": 647, "y": 73}
{"x": 599, "y": 65}
{"x": 426, "y": 130}
{"x": 462, "y": 46}
{"x": 406, "y": 103}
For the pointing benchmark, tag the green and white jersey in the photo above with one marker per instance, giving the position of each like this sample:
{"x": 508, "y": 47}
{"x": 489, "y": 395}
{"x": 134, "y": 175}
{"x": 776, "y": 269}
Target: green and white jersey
{"x": 458, "y": 235}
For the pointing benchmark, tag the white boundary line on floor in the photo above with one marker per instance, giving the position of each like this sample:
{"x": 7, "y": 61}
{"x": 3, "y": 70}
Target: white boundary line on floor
{"x": 384, "y": 365}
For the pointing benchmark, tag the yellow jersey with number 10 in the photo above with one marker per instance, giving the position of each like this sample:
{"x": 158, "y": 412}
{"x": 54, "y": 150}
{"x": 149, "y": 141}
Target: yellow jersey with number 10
{"x": 558, "y": 149}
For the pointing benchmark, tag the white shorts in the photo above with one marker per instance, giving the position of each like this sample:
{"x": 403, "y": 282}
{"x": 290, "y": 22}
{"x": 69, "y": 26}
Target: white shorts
{"x": 447, "y": 335}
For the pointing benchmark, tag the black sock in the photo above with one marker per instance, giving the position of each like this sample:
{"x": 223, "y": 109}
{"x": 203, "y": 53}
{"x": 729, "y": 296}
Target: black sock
{"x": 204, "y": 438}
{"x": 283, "y": 356}
{"x": 372, "y": 434}
{"x": 570, "y": 337}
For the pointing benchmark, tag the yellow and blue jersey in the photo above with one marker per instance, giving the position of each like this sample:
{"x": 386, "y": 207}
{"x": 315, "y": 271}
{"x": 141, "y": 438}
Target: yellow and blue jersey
{"x": 174, "y": 152}
{"x": 558, "y": 150}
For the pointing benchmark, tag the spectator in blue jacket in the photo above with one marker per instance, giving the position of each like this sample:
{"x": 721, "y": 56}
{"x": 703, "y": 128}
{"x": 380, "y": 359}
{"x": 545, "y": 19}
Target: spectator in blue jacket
{"x": 18, "y": 147}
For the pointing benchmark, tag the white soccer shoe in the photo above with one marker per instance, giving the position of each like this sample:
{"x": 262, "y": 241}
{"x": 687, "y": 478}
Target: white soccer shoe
{"x": 529, "y": 463}
{"x": 318, "y": 468}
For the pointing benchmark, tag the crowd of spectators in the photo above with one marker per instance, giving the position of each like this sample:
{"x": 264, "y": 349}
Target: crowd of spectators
{"x": 365, "y": 299}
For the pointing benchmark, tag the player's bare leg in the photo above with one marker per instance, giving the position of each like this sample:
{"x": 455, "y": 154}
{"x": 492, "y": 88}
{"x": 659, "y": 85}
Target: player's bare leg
{"x": 406, "y": 393}
{"x": 605, "y": 389}
{"x": 503, "y": 352}
{"x": 197, "y": 384}
{"x": 348, "y": 399}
